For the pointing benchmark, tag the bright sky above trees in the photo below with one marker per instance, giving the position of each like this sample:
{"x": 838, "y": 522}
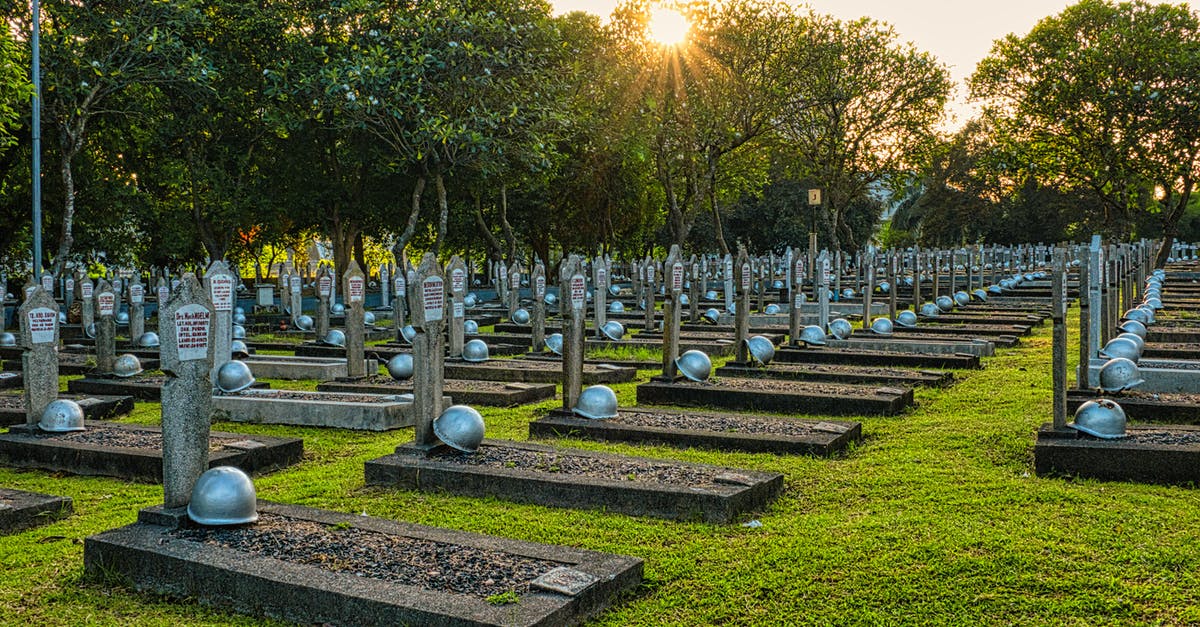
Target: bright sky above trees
{"x": 959, "y": 32}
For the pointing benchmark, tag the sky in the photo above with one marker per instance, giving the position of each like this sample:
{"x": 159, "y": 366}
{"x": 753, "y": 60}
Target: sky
{"x": 959, "y": 32}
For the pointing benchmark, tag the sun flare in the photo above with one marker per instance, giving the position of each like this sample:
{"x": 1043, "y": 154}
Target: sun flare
{"x": 668, "y": 26}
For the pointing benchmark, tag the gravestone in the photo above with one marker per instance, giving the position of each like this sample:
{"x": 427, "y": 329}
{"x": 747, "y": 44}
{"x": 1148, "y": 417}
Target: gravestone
{"x": 514, "y": 295}
{"x": 48, "y": 283}
{"x": 162, "y": 295}
{"x": 296, "y": 303}
{"x": 837, "y": 276}
{"x": 355, "y": 290}
{"x": 106, "y": 327}
{"x": 218, "y": 284}
{"x": 868, "y": 290}
{"x": 68, "y": 289}
{"x": 822, "y": 281}
{"x": 727, "y": 267}
{"x": 893, "y": 277}
{"x": 457, "y": 272}
{"x": 87, "y": 301}
{"x": 600, "y": 273}
{"x": 765, "y": 272}
{"x": 38, "y": 317}
{"x": 400, "y": 307}
{"x": 916, "y": 276}
{"x": 384, "y": 286}
{"x": 137, "y": 307}
{"x": 185, "y": 328}
{"x": 935, "y": 258}
{"x": 796, "y": 295}
{"x": 501, "y": 280}
{"x": 649, "y": 293}
{"x": 324, "y": 293}
{"x": 1058, "y": 314}
{"x": 537, "y": 280}
{"x": 744, "y": 276}
{"x": 427, "y": 294}
{"x": 695, "y": 290}
{"x": 674, "y": 270}
{"x": 573, "y": 292}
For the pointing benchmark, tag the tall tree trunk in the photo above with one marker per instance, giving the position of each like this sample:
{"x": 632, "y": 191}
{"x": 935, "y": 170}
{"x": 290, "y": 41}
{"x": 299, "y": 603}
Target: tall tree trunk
{"x": 413, "y": 216}
{"x": 443, "y": 213}
{"x": 494, "y": 249}
{"x": 504, "y": 224}
{"x": 71, "y": 144}
{"x": 1171, "y": 223}
{"x": 718, "y": 228}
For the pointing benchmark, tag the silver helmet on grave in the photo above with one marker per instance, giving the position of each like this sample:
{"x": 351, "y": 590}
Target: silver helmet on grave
{"x": 400, "y": 366}
{"x": 470, "y": 327}
{"x": 1121, "y": 347}
{"x": 149, "y": 339}
{"x": 944, "y": 303}
{"x": 812, "y": 335}
{"x": 62, "y": 415}
{"x": 223, "y": 496}
{"x": 127, "y": 365}
{"x": 1101, "y": 418}
{"x": 616, "y": 307}
{"x": 1119, "y": 374}
{"x": 711, "y": 316}
{"x": 907, "y": 319}
{"x": 335, "y": 337}
{"x": 234, "y": 376}
{"x": 460, "y": 427}
{"x": 475, "y": 351}
{"x": 882, "y": 326}
{"x": 238, "y": 349}
{"x": 304, "y": 322}
{"x": 521, "y": 316}
{"x": 597, "y": 402}
{"x": 761, "y": 349}
{"x": 613, "y": 330}
{"x": 841, "y": 328}
{"x": 695, "y": 365}
{"x": 554, "y": 342}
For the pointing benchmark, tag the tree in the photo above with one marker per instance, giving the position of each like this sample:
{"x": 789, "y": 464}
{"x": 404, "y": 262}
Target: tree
{"x": 1104, "y": 96}
{"x": 866, "y": 108}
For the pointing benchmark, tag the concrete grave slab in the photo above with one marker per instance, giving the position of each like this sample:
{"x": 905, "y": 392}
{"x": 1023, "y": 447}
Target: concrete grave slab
{"x": 20, "y": 510}
{"x": 367, "y": 412}
{"x": 1151, "y": 454}
{"x": 464, "y": 392}
{"x": 826, "y": 399}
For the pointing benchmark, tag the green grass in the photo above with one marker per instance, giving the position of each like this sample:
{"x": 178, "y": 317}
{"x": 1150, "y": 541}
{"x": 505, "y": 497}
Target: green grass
{"x": 935, "y": 518}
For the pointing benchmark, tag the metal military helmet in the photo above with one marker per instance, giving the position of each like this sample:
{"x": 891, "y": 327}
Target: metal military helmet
{"x": 475, "y": 351}
{"x": 772, "y": 309}
{"x": 304, "y": 323}
{"x": 1134, "y": 327}
{"x": 1154, "y": 302}
{"x": 460, "y": 427}
{"x": 711, "y": 316}
{"x": 554, "y": 342}
{"x": 597, "y": 402}
{"x": 238, "y": 349}
{"x": 882, "y": 326}
{"x": 848, "y": 293}
{"x": 521, "y": 316}
{"x": 7, "y": 339}
{"x": 337, "y": 309}
{"x": 981, "y": 295}
{"x": 778, "y": 285}
{"x": 1136, "y": 339}
{"x": 239, "y": 311}
{"x": 614, "y": 290}
{"x": 239, "y": 318}
{"x": 470, "y": 327}
{"x": 368, "y": 318}
{"x": 127, "y": 365}
{"x": 223, "y": 496}
{"x": 234, "y": 376}
{"x": 239, "y": 332}
{"x": 812, "y": 335}
{"x": 995, "y": 290}
{"x": 550, "y": 298}
{"x": 962, "y": 299}
{"x": 62, "y": 415}
{"x": 616, "y": 307}
{"x": 733, "y": 307}
{"x": 409, "y": 333}
{"x": 907, "y": 319}
{"x": 470, "y": 300}
{"x": 1149, "y": 314}
{"x": 335, "y": 337}
{"x": 400, "y": 366}
{"x": 710, "y": 295}
{"x": 149, "y": 339}
{"x": 884, "y": 287}
{"x": 613, "y": 330}
{"x": 695, "y": 365}
{"x": 684, "y": 300}
{"x": 1121, "y": 347}
{"x": 1119, "y": 374}
{"x": 123, "y": 317}
{"x": 62, "y": 317}
{"x": 761, "y": 349}
{"x": 90, "y": 330}
{"x": 944, "y": 303}
{"x": 840, "y": 328}
{"x": 930, "y": 310}
{"x": 1101, "y": 418}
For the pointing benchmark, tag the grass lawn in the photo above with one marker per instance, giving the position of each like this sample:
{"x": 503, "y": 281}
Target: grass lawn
{"x": 934, "y": 518}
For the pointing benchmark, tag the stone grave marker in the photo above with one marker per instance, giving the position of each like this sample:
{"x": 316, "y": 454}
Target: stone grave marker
{"x": 867, "y": 264}
{"x": 106, "y": 327}
{"x": 695, "y": 290}
{"x": 837, "y": 276}
{"x": 893, "y": 277}
{"x": 48, "y": 282}
{"x": 68, "y": 289}
{"x": 355, "y": 290}
{"x": 728, "y": 280}
{"x": 537, "y": 280}
{"x": 87, "y": 301}
{"x": 185, "y": 328}
{"x": 649, "y": 293}
{"x": 600, "y": 272}
{"x": 324, "y": 292}
{"x": 137, "y": 307}
{"x": 501, "y": 280}
{"x": 675, "y": 271}
{"x": 1058, "y": 314}
{"x": 916, "y": 275}
{"x": 162, "y": 295}
{"x": 514, "y": 295}
{"x": 384, "y": 286}
{"x": 400, "y": 307}
{"x": 218, "y": 284}
{"x": 765, "y": 272}
{"x": 296, "y": 304}
{"x": 39, "y": 352}
{"x": 427, "y": 294}
{"x": 457, "y": 272}
{"x": 744, "y": 276}
{"x": 822, "y": 281}
{"x": 574, "y": 307}
{"x": 796, "y": 295}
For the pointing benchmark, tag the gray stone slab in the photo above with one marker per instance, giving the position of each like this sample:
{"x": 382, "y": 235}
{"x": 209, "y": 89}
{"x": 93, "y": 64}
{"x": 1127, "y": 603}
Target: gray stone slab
{"x": 20, "y": 510}
{"x": 299, "y": 368}
{"x": 464, "y": 392}
{"x": 830, "y": 373}
{"x": 979, "y": 348}
{"x": 845, "y": 356}
{"x": 1068, "y": 452}
{"x": 1160, "y": 375}
{"x": 779, "y": 397}
{"x": 744, "y": 491}
{"x": 151, "y": 559}
{"x": 536, "y": 372}
{"x": 326, "y": 409}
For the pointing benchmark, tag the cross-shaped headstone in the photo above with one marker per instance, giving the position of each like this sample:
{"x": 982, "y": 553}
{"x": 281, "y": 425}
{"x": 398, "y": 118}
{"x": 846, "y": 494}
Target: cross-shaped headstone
{"x": 185, "y": 329}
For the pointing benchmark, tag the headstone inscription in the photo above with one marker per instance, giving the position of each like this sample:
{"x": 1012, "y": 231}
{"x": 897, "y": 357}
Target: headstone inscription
{"x": 218, "y": 285}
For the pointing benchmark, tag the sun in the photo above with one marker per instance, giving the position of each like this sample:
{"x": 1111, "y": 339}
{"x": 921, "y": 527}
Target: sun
{"x": 667, "y": 26}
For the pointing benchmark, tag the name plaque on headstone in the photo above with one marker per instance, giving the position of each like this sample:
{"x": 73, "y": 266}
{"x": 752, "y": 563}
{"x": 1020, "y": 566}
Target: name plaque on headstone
{"x": 458, "y": 281}
{"x": 826, "y": 270}
{"x": 48, "y": 282}
{"x": 29, "y": 290}
{"x": 70, "y": 284}
{"x": 601, "y": 278}
{"x": 516, "y": 279}
{"x": 107, "y": 302}
{"x": 325, "y": 283}
{"x": 503, "y": 273}
{"x": 539, "y": 288}
{"x": 294, "y": 282}
{"x": 578, "y": 292}
{"x": 221, "y": 288}
{"x": 433, "y": 298}
{"x": 459, "y": 310}
{"x": 677, "y": 277}
{"x": 137, "y": 294}
{"x": 86, "y": 289}
{"x": 746, "y": 276}
{"x": 354, "y": 289}
{"x": 191, "y": 332}
{"x": 163, "y": 294}
{"x": 41, "y": 325}
{"x": 401, "y": 284}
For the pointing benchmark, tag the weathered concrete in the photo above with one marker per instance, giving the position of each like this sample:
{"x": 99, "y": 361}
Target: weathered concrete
{"x": 298, "y": 368}
{"x": 892, "y": 377}
{"x": 327, "y": 410}
{"x": 1160, "y": 375}
{"x": 20, "y": 510}
{"x": 95, "y": 407}
{"x": 1068, "y": 452}
{"x": 784, "y": 397}
{"x": 497, "y": 394}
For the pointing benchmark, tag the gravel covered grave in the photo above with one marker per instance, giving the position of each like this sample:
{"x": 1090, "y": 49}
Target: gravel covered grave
{"x": 617, "y": 469}
{"x": 450, "y": 384}
{"x": 1170, "y": 438}
{"x": 417, "y": 562}
{"x": 330, "y": 397}
{"x": 715, "y": 422}
{"x": 116, "y": 437}
{"x": 775, "y": 385}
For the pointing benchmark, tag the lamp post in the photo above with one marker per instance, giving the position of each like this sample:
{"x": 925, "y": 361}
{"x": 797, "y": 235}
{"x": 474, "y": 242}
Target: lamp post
{"x": 37, "y": 143}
